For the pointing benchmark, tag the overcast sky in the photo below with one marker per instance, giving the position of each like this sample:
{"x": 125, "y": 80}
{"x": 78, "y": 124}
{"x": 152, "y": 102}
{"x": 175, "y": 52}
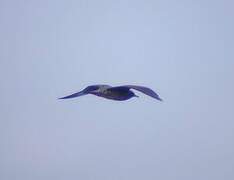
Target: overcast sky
{"x": 182, "y": 49}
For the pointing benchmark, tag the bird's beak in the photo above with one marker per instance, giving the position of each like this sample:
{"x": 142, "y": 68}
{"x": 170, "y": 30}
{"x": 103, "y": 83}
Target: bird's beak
{"x": 136, "y": 96}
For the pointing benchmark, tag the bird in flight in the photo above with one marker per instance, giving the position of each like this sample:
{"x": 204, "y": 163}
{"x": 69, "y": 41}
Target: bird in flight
{"x": 118, "y": 93}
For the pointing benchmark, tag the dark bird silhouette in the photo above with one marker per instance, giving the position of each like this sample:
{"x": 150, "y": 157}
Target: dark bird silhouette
{"x": 118, "y": 93}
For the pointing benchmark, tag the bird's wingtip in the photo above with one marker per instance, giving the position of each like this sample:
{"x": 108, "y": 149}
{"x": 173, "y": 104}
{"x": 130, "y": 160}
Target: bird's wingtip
{"x": 66, "y": 97}
{"x": 158, "y": 98}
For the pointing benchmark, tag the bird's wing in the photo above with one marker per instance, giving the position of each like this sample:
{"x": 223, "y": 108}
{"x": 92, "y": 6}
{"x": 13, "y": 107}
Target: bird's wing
{"x": 146, "y": 91}
{"x": 87, "y": 90}
{"x": 81, "y": 93}
{"x": 142, "y": 89}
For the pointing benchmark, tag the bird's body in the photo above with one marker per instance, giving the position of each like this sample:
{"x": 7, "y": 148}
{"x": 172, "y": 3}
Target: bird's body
{"x": 119, "y": 93}
{"x": 114, "y": 94}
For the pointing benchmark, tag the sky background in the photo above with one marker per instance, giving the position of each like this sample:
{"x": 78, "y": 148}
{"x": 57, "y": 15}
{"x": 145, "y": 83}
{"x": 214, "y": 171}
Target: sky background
{"x": 182, "y": 49}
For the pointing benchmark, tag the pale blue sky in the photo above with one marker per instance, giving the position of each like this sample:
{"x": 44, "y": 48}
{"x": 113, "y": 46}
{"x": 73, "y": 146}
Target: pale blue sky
{"x": 182, "y": 49}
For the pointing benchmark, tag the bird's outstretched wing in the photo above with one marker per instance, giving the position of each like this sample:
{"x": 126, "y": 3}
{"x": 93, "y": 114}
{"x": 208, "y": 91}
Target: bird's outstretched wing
{"x": 146, "y": 91}
{"x": 87, "y": 90}
{"x": 81, "y": 93}
{"x": 142, "y": 89}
